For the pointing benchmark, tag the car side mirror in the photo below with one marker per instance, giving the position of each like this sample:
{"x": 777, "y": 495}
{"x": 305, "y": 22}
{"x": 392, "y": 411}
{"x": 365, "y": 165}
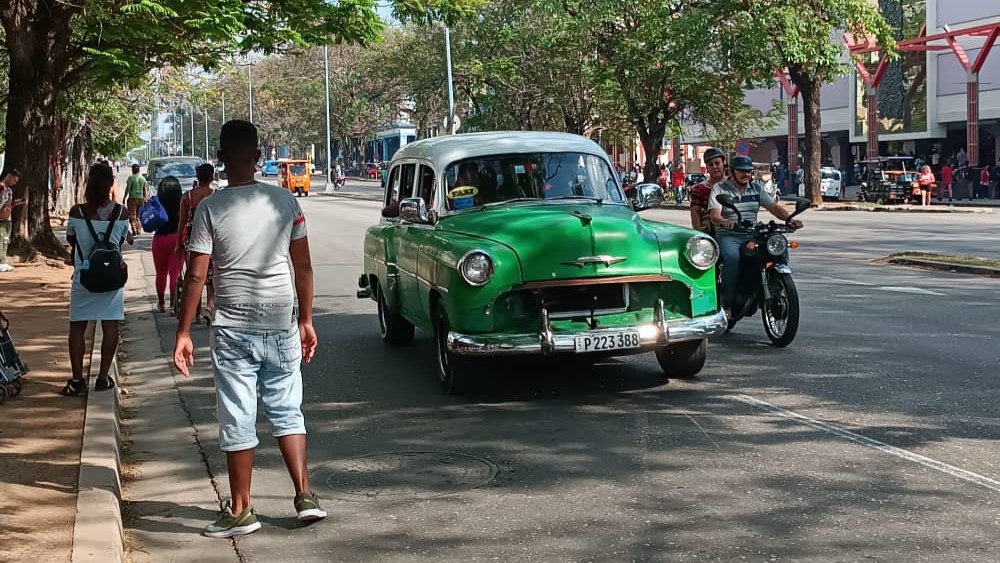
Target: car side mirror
{"x": 414, "y": 210}
{"x": 647, "y": 196}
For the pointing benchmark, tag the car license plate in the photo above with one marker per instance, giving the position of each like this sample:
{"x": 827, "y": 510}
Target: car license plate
{"x": 607, "y": 341}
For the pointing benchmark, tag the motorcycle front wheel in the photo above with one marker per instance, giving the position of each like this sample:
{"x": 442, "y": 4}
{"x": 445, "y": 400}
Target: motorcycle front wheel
{"x": 780, "y": 313}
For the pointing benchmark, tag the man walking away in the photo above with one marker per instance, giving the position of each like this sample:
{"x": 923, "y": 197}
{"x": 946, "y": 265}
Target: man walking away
{"x": 250, "y": 231}
{"x": 947, "y": 177}
{"x": 136, "y": 194}
{"x": 7, "y": 205}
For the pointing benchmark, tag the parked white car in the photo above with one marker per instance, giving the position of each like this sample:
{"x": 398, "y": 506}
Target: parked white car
{"x": 831, "y": 183}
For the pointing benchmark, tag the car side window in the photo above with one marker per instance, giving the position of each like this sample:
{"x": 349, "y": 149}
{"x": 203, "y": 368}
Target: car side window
{"x": 407, "y": 174}
{"x": 425, "y": 185}
{"x": 392, "y": 187}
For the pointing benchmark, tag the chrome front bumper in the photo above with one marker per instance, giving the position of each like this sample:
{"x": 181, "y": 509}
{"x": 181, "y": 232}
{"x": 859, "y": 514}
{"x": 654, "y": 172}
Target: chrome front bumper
{"x": 661, "y": 332}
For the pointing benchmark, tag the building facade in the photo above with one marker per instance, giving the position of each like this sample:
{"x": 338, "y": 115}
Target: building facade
{"x": 921, "y": 99}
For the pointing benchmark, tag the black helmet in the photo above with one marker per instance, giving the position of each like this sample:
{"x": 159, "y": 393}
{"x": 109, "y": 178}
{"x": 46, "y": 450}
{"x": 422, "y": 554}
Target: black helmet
{"x": 713, "y": 152}
{"x": 742, "y": 163}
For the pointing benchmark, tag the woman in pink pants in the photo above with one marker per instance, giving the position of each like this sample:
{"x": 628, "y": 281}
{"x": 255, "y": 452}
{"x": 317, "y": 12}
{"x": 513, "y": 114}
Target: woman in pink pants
{"x": 166, "y": 260}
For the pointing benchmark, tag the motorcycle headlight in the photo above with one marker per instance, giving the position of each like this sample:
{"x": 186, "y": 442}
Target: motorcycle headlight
{"x": 476, "y": 267}
{"x": 777, "y": 245}
{"x": 702, "y": 252}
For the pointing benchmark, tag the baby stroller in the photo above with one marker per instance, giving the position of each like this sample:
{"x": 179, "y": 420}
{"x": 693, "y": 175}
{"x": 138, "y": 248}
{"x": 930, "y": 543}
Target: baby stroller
{"x": 12, "y": 369}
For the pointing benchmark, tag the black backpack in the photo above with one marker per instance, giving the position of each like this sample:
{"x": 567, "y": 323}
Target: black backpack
{"x": 104, "y": 270}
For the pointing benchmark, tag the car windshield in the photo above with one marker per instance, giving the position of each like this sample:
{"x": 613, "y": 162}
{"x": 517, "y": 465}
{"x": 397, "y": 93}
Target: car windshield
{"x": 830, "y": 175}
{"x": 495, "y": 179}
{"x": 178, "y": 169}
{"x": 298, "y": 169}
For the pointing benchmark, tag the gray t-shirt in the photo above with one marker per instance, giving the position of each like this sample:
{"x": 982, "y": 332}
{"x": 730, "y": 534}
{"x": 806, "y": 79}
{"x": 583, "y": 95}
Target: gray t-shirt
{"x": 247, "y": 230}
{"x": 753, "y": 198}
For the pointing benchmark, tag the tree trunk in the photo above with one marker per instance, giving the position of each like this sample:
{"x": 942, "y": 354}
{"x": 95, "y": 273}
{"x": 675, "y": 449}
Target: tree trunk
{"x": 651, "y": 133}
{"x": 37, "y": 35}
{"x": 57, "y": 166}
{"x": 809, "y": 87}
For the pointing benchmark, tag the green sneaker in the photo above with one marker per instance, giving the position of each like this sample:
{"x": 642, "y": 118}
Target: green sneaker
{"x": 229, "y": 525}
{"x": 307, "y": 507}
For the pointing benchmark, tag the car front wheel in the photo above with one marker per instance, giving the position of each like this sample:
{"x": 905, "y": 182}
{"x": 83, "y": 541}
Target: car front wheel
{"x": 392, "y": 327}
{"x": 683, "y": 360}
{"x": 453, "y": 371}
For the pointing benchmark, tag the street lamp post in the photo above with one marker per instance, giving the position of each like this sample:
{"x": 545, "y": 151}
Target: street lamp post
{"x": 223, "y": 107}
{"x": 250, "y": 85}
{"x": 329, "y": 152}
{"x": 191, "y": 110}
{"x": 451, "y": 87}
{"x": 204, "y": 114}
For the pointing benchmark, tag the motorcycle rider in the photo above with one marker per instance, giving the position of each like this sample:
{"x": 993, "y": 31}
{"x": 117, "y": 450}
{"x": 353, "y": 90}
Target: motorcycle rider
{"x": 715, "y": 165}
{"x": 749, "y": 197}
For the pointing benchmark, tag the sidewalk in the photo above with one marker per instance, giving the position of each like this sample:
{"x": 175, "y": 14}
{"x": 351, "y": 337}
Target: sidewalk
{"x": 169, "y": 492}
{"x": 41, "y": 433}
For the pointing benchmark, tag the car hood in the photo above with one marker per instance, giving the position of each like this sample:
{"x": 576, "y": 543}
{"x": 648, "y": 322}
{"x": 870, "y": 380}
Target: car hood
{"x": 560, "y": 240}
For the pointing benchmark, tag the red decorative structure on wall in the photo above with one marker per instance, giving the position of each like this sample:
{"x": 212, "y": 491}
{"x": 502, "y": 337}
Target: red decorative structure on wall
{"x": 924, "y": 42}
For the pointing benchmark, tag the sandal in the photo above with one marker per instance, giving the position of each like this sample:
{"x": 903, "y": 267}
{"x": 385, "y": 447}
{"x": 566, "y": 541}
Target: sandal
{"x": 104, "y": 382}
{"x": 75, "y": 388}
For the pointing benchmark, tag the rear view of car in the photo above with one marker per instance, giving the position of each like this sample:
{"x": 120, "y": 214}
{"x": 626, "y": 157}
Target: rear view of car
{"x": 181, "y": 167}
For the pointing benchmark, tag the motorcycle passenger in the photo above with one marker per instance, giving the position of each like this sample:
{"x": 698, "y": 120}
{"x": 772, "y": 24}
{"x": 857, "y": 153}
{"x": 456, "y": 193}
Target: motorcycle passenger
{"x": 715, "y": 165}
{"x": 749, "y": 197}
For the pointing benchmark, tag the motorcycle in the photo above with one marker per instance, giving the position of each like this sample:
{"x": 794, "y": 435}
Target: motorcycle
{"x": 765, "y": 279}
{"x": 339, "y": 181}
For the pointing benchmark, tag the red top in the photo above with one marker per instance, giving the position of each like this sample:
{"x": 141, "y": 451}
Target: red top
{"x": 984, "y": 176}
{"x": 678, "y": 178}
{"x": 946, "y": 174}
{"x": 699, "y": 198}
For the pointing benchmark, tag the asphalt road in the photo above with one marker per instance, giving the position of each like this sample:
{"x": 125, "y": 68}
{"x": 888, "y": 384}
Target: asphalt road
{"x": 872, "y": 438}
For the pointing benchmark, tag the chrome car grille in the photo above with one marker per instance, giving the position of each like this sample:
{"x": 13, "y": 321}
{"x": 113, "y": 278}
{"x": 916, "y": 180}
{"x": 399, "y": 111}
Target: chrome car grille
{"x": 584, "y": 300}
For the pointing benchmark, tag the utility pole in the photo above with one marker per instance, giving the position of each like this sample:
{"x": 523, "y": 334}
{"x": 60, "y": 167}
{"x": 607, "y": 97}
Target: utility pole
{"x": 204, "y": 114}
{"x": 223, "y": 107}
{"x": 191, "y": 109}
{"x": 250, "y": 84}
{"x": 451, "y": 87}
{"x": 329, "y": 151}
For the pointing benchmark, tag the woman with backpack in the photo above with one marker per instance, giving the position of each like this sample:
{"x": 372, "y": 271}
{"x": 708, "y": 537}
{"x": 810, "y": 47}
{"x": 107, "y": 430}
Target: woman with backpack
{"x": 167, "y": 261}
{"x": 96, "y": 231}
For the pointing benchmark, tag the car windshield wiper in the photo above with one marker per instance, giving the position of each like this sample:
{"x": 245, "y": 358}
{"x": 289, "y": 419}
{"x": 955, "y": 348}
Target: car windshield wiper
{"x": 508, "y": 201}
{"x": 596, "y": 200}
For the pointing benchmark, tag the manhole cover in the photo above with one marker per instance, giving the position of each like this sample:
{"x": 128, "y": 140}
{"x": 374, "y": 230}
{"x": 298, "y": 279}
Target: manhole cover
{"x": 396, "y": 475}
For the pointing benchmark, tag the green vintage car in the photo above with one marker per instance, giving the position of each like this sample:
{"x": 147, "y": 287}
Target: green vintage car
{"x": 523, "y": 243}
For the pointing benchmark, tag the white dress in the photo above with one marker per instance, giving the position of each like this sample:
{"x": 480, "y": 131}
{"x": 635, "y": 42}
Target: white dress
{"x": 85, "y": 305}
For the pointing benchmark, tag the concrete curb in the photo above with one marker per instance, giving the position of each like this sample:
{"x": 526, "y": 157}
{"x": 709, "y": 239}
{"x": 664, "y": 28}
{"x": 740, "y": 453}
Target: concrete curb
{"x": 902, "y": 208}
{"x": 946, "y": 266}
{"x": 98, "y": 535}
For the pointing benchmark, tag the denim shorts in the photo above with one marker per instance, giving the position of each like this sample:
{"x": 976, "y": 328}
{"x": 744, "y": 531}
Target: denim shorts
{"x": 244, "y": 360}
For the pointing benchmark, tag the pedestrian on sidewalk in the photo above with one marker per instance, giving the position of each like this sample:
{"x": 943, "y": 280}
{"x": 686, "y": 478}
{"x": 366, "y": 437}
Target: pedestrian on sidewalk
{"x": 189, "y": 204}
{"x": 926, "y": 182}
{"x": 136, "y": 194}
{"x": 7, "y": 205}
{"x": 947, "y": 177}
{"x": 251, "y": 230}
{"x": 166, "y": 260}
{"x": 102, "y": 215}
{"x": 984, "y": 183}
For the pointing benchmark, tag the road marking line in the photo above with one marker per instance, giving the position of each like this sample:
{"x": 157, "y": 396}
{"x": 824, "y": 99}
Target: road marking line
{"x": 691, "y": 418}
{"x": 838, "y": 280}
{"x": 958, "y": 472}
{"x": 918, "y": 290}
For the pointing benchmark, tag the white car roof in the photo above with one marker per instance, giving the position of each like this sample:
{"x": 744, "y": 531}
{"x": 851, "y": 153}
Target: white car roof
{"x": 445, "y": 150}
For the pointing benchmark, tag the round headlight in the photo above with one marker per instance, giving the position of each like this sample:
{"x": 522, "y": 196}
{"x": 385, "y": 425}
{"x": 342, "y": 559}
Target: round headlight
{"x": 476, "y": 267}
{"x": 702, "y": 252}
{"x": 777, "y": 245}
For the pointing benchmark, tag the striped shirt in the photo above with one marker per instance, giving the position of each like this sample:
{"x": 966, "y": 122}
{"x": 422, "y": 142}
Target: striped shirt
{"x": 749, "y": 202}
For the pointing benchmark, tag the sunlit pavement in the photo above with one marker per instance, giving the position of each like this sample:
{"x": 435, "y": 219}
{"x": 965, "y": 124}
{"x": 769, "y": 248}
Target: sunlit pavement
{"x": 872, "y": 438}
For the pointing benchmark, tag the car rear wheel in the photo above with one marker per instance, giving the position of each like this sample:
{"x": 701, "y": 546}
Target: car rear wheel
{"x": 392, "y": 327}
{"x": 453, "y": 371}
{"x": 683, "y": 360}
